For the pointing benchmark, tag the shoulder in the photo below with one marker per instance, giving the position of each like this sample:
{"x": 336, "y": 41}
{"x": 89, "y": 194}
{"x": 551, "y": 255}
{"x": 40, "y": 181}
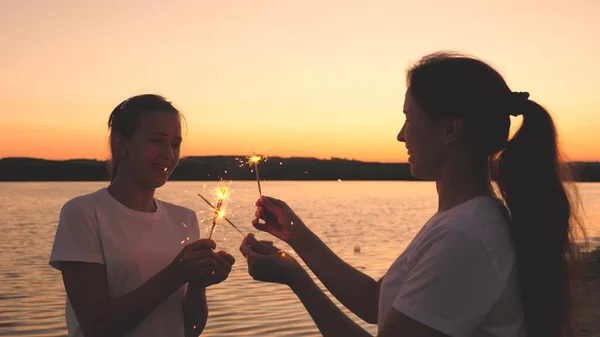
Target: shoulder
{"x": 176, "y": 210}
{"x": 480, "y": 226}
{"x": 82, "y": 204}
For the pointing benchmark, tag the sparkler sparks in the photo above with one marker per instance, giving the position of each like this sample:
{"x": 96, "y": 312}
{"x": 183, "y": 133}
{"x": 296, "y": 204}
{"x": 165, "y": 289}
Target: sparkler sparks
{"x": 253, "y": 160}
{"x": 223, "y": 215}
{"x": 221, "y": 194}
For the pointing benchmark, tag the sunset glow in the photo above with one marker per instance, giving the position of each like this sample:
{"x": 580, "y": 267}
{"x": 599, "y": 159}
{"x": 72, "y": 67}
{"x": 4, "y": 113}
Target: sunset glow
{"x": 291, "y": 78}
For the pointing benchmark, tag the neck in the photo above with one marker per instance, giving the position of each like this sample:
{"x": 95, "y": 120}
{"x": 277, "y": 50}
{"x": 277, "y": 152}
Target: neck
{"x": 462, "y": 180}
{"x": 131, "y": 195}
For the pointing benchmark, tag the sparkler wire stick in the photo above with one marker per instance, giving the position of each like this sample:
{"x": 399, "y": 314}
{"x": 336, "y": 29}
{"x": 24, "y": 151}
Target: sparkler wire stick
{"x": 257, "y": 178}
{"x": 215, "y": 217}
{"x": 224, "y": 217}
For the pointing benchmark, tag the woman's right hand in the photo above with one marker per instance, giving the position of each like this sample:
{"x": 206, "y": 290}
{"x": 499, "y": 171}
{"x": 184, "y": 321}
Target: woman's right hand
{"x": 279, "y": 219}
{"x": 194, "y": 261}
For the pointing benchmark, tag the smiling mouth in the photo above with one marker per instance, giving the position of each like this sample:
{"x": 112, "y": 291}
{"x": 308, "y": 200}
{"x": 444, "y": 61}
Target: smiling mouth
{"x": 161, "y": 167}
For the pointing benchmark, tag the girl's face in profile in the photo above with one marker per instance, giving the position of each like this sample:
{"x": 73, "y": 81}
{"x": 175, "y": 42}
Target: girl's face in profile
{"x": 424, "y": 140}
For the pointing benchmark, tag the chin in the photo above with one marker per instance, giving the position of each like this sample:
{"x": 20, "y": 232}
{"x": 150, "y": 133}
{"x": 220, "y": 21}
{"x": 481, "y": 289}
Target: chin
{"x": 159, "y": 183}
{"x": 420, "y": 172}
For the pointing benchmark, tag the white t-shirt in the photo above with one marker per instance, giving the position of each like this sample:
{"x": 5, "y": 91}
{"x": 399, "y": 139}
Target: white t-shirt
{"x": 458, "y": 275}
{"x": 132, "y": 245}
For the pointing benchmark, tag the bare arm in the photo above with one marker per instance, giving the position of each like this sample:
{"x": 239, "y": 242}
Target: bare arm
{"x": 268, "y": 263}
{"x": 195, "y": 309}
{"x": 355, "y": 290}
{"x": 98, "y": 314}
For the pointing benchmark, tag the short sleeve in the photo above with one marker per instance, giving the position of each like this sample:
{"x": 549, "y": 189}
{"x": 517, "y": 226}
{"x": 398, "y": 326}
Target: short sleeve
{"x": 452, "y": 285}
{"x": 195, "y": 226}
{"x": 77, "y": 237}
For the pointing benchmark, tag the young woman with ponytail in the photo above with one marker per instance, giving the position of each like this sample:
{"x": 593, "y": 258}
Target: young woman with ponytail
{"x": 493, "y": 261}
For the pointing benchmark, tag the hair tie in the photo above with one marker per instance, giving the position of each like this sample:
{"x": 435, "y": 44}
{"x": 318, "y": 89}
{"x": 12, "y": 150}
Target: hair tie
{"x": 517, "y": 102}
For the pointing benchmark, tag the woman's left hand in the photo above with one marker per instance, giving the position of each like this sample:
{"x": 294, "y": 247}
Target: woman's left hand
{"x": 268, "y": 263}
{"x": 222, "y": 262}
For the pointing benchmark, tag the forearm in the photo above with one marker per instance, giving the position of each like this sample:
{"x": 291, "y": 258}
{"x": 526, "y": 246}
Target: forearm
{"x": 354, "y": 289}
{"x": 330, "y": 320}
{"x": 195, "y": 310}
{"x": 125, "y": 313}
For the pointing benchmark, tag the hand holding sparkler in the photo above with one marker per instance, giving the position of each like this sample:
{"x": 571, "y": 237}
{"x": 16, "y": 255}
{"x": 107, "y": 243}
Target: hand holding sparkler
{"x": 193, "y": 262}
{"x": 279, "y": 219}
{"x": 268, "y": 263}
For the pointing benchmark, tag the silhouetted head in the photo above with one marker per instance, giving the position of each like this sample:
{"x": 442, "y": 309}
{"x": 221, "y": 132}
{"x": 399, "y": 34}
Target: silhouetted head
{"x": 145, "y": 137}
{"x": 455, "y": 105}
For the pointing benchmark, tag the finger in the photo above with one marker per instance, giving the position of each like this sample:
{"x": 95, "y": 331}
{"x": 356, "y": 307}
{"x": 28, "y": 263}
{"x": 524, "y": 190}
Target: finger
{"x": 259, "y": 212}
{"x": 197, "y": 254}
{"x": 246, "y": 250}
{"x": 260, "y": 247}
{"x": 261, "y": 226}
{"x": 276, "y": 202}
{"x": 222, "y": 264}
{"x": 228, "y": 257}
{"x": 268, "y": 205}
{"x": 244, "y": 244}
{"x": 200, "y": 264}
{"x": 202, "y": 244}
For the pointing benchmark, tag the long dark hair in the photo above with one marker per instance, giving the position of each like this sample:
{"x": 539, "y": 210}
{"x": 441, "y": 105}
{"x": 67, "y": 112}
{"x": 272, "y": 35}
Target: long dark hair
{"x": 533, "y": 181}
{"x": 126, "y": 117}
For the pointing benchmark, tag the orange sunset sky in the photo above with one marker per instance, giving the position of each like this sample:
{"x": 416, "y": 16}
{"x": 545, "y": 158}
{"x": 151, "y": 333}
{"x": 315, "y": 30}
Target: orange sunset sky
{"x": 316, "y": 78}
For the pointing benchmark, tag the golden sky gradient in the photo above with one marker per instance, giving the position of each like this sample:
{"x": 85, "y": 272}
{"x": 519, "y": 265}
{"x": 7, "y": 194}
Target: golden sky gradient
{"x": 316, "y": 78}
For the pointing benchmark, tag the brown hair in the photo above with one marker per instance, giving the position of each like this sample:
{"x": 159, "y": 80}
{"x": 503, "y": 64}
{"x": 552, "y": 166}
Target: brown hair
{"x": 529, "y": 173}
{"x": 126, "y": 117}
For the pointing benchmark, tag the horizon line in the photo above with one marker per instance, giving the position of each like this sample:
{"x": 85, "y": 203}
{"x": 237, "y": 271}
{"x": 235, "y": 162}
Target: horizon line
{"x": 274, "y": 156}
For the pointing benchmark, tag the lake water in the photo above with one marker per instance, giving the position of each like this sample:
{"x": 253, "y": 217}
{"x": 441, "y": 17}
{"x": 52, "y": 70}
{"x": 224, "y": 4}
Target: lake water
{"x": 378, "y": 218}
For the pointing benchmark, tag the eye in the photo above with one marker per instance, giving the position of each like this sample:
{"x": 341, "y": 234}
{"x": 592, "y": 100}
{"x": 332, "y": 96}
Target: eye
{"x": 176, "y": 145}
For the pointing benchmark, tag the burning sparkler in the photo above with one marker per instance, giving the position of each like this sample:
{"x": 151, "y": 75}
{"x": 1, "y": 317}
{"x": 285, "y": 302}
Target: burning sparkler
{"x": 221, "y": 193}
{"x": 223, "y": 214}
{"x": 253, "y": 160}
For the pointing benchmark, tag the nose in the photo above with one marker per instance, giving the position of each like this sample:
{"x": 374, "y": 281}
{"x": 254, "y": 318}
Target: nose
{"x": 168, "y": 152}
{"x": 400, "y": 136}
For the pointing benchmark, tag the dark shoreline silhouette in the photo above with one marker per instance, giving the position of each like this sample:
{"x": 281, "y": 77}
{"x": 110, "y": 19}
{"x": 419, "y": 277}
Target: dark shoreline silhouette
{"x": 228, "y": 168}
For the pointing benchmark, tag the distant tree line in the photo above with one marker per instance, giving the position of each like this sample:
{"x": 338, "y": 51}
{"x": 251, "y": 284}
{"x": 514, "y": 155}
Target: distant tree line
{"x": 229, "y": 168}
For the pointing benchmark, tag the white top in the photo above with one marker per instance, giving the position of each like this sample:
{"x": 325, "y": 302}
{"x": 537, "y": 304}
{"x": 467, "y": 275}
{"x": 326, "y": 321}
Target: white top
{"x": 458, "y": 275}
{"x": 132, "y": 245}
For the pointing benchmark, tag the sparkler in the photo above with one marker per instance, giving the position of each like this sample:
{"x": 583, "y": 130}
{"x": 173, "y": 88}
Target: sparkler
{"x": 223, "y": 215}
{"x": 253, "y": 160}
{"x": 222, "y": 194}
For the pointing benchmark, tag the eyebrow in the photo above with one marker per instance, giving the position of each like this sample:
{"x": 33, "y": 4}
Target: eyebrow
{"x": 166, "y": 135}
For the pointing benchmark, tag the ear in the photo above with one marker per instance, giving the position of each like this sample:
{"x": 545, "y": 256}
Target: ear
{"x": 118, "y": 145}
{"x": 452, "y": 129}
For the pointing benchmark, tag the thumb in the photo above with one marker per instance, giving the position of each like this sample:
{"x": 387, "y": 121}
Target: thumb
{"x": 268, "y": 204}
{"x": 261, "y": 226}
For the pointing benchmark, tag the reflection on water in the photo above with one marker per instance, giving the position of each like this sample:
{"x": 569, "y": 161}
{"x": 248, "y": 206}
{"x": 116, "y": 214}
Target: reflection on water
{"x": 378, "y": 218}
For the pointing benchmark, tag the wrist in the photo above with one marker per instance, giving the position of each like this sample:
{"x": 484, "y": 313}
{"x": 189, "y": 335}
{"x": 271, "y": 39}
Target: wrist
{"x": 173, "y": 276}
{"x": 300, "y": 237}
{"x": 297, "y": 278}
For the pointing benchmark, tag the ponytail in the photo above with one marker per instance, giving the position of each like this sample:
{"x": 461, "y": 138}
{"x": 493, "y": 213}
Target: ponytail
{"x": 534, "y": 183}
